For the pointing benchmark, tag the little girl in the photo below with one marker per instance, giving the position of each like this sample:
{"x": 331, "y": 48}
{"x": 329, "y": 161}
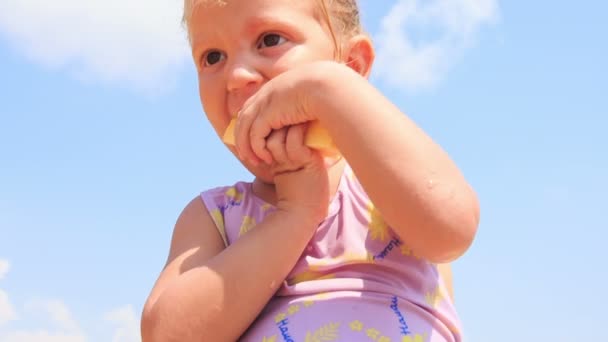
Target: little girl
{"x": 321, "y": 245}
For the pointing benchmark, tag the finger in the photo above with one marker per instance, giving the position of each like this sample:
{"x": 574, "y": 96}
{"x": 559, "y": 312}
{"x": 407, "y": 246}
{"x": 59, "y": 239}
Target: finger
{"x": 242, "y": 128}
{"x": 275, "y": 143}
{"x": 297, "y": 151}
{"x": 259, "y": 131}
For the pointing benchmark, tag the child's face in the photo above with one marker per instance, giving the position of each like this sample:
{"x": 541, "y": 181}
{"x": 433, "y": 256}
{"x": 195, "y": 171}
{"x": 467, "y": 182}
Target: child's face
{"x": 241, "y": 44}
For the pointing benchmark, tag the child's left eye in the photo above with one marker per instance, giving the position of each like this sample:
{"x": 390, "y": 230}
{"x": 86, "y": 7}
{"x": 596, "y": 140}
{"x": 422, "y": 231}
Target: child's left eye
{"x": 271, "y": 39}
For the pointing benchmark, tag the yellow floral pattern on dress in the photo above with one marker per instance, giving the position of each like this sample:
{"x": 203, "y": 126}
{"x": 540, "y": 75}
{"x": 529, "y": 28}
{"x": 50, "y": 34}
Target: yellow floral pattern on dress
{"x": 433, "y": 297}
{"x": 218, "y": 218}
{"x": 317, "y": 271}
{"x": 346, "y": 258}
{"x": 328, "y": 332}
{"x": 377, "y": 226}
{"x": 323, "y": 296}
{"x": 307, "y": 276}
{"x": 233, "y": 194}
{"x": 248, "y": 223}
{"x": 293, "y": 309}
{"x": 373, "y": 333}
{"x": 413, "y": 338}
{"x": 355, "y": 258}
{"x": 342, "y": 252}
{"x": 407, "y": 251}
{"x": 279, "y": 317}
{"x": 308, "y": 303}
{"x": 356, "y": 325}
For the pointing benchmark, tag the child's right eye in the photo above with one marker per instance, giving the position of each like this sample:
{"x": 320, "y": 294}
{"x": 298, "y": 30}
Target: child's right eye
{"x": 212, "y": 57}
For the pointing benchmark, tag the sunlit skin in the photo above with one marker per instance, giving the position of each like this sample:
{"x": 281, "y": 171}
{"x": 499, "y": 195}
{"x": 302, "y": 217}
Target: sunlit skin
{"x": 262, "y": 39}
{"x": 272, "y": 64}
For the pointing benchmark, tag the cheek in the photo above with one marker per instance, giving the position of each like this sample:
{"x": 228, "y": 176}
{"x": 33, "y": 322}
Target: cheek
{"x": 301, "y": 57}
{"x": 326, "y": 50}
{"x": 213, "y": 105}
{"x": 205, "y": 92}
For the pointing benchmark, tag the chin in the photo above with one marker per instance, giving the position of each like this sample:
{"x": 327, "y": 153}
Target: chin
{"x": 261, "y": 172}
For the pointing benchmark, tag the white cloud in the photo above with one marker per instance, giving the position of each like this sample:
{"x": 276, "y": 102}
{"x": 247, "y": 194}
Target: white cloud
{"x": 5, "y": 266}
{"x": 137, "y": 43}
{"x": 62, "y": 327}
{"x": 419, "y": 41}
{"x": 56, "y": 311}
{"x": 7, "y": 313}
{"x": 127, "y": 322}
{"x": 42, "y": 336}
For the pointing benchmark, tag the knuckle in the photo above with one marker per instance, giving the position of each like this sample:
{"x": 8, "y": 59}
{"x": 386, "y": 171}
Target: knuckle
{"x": 273, "y": 143}
{"x": 291, "y": 150}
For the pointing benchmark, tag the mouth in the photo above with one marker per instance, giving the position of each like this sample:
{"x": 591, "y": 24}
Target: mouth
{"x": 317, "y": 137}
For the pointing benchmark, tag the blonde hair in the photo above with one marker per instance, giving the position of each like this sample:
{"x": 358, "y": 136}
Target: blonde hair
{"x": 343, "y": 20}
{"x": 342, "y": 17}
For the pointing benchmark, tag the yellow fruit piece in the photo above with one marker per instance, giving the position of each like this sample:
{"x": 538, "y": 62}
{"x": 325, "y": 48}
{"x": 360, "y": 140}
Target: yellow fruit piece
{"x": 316, "y": 137}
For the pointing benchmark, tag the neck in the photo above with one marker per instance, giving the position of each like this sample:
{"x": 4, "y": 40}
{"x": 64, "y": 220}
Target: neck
{"x": 267, "y": 191}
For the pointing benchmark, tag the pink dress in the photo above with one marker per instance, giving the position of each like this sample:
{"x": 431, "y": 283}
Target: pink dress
{"x": 355, "y": 281}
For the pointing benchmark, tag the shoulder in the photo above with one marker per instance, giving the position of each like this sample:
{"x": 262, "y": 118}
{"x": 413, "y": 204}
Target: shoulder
{"x": 224, "y": 202}
{"x": 201, "y": 220}
{"x": 195, "y": 227}
{"x": 224, "y": 194}
{"x": 200, "y": 223}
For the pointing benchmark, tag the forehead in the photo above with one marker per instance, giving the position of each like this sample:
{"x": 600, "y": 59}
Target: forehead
{"x": 205, "y": 14}
{"x": 209, "y": 3}
{"x": 191, "y": 6}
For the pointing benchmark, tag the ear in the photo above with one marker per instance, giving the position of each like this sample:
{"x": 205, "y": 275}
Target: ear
{"x": 359, "y": 54}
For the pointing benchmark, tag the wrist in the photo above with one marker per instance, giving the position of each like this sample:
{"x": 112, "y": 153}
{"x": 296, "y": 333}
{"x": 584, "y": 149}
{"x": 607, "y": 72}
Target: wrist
{"x": 299, "y": 216}
{"x": 322, "y": 81}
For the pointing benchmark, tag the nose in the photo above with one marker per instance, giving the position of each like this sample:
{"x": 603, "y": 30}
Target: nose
{"x": 243, "y": 76}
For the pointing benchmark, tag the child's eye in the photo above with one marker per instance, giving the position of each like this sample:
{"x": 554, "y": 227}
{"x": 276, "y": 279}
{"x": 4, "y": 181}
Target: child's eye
{"x": 212, "y": 57}
{"x": 271, "y": 39}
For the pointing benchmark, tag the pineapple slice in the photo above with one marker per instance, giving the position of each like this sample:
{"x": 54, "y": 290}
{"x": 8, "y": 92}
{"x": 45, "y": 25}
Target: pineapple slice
{"x": 316, "y": 137}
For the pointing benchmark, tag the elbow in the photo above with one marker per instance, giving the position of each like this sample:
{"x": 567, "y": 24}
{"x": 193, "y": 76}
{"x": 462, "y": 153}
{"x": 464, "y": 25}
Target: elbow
{"x": 458, "y": 241}
{"x": 155, "y": 327}
{"x": 162, "y": 321}
{"x": 455, "y": 234}
{"x": 149, "y": 320}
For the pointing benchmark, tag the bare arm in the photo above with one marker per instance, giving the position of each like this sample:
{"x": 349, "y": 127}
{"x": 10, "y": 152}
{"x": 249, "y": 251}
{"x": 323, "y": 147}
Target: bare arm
{"x": 206, "y": 293}
{"x": 417, "y": 188}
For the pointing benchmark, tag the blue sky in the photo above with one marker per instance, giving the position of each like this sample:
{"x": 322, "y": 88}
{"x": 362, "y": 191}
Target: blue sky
{"x": 103, "y": 141}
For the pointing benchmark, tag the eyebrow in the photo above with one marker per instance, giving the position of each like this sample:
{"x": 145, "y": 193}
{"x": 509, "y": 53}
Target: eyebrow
{"x": 264, "y": 20}
{"x": 252, "y": 26}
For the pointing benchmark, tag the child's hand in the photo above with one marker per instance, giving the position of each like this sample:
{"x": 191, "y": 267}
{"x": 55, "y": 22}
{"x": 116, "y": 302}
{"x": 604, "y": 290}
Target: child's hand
{"x": 283, "y": 101}
{"x": 300, "y": 177}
